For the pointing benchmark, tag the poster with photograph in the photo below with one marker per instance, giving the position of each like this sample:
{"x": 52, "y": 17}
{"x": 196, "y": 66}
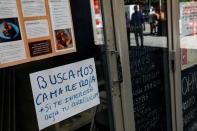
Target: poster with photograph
{"x": 11, "y": 44}
{"x": 62, "y": 25}
{"x": 9, "y": 30}
{"x": 188, "y": 24}
{"x": 34, "y": 29}
{"x": 63, "y": 39}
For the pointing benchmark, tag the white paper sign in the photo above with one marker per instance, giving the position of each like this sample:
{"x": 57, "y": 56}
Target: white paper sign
{"x": 188, "y": 18}
{"x": 33, "y": 8}
{"x": 37, "y": 29}
{"x": 62, "y": 92}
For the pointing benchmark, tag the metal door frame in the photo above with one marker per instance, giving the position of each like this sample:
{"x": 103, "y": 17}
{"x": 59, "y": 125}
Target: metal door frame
{"x": 120, "y": 37}
{"x": 177, "y": 66}
{"x": 112, "y": 65}
{"x": 116, "y": 42}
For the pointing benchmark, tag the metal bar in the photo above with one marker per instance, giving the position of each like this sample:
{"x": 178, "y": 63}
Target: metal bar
{"x": 177, "y": 73}
{"x": 122, "y": 47}
{"x": 111, "y": 62}
{"x": 171, "y": 69}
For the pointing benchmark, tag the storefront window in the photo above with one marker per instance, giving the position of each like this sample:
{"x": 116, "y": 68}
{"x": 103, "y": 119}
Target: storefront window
{"x": 147, "y": 33}
{"x": 188, "y": 31}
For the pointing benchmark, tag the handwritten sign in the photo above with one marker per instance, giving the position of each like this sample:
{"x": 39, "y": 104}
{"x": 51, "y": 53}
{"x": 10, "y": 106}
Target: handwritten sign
{"x": 189, "y": 98}
{"x": 147, "y": 70}
{"x": 62, "y": 92}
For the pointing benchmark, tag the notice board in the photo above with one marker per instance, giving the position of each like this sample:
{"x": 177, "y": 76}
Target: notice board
{"x": 189, "y": 96}
{"x": 86, "y": 48}
{"x": 149, "y": 80}
{"x": 34, "y": 29}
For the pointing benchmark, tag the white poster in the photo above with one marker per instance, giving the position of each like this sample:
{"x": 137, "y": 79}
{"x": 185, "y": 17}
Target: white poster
{"x": 33, "y": 8}
{"x": 62, "y": 92}
{"x": 11, "y": 45}
{"x": 10, "y": 52}
{"x": 62, "y": 24}
{"x": 37, "y": 28}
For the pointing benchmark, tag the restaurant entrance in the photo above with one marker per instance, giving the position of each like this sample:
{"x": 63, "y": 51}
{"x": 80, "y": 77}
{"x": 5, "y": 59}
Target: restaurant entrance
{"x": 126, "y": 65}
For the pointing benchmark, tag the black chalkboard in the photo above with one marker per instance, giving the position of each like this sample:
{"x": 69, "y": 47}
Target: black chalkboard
{"x": 149, "y": 80}
{"x": 189, "y": 98}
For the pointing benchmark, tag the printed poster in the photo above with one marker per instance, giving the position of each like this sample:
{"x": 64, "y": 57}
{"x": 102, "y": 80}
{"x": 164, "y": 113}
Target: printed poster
{"x": 11, "y": 41}
{"x": 65, "y": 91}
{"x": 62, "y": 24}
{"x": 33, "y": 8}
{"x": 34, "y": 29}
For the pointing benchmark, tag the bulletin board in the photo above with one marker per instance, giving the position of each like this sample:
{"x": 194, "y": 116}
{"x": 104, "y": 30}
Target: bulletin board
{"x": 34, "y": 29}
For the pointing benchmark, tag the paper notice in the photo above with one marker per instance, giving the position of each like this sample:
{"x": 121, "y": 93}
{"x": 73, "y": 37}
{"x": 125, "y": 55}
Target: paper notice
{"x": 64, "y": 91}
{"x": 37, "y": 28}
{"x": 32, "y": 8}
{"x": 60, "y": 13}
{"x": 11, "y": 44}
{"x": 11, "y": 52}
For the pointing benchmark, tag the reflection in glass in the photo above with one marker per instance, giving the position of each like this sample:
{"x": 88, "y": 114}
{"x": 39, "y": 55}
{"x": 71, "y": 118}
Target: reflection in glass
{"x": 188, "y": 38}
{"x": 147, "y": 41}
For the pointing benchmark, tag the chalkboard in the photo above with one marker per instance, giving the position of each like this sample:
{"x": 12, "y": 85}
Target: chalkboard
{"x": 189, "y": 98}
{"x": 148, "y": 85}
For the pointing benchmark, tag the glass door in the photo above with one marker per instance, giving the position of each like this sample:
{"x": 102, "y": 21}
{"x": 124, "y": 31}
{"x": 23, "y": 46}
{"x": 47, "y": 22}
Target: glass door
{"x": 188, "y": 46}
{"x": 148, "y": 46}
{"x": 17, "y": 110}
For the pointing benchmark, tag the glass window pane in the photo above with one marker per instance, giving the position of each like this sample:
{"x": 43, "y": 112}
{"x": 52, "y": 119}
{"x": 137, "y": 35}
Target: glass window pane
{"x": 188, "y": 38}
{"x": 146, "y": 22}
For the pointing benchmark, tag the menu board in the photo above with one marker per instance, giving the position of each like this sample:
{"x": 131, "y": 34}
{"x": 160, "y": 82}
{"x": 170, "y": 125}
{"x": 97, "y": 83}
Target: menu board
{"x": 34, "y": 29}
{"x": 189, "y": 98}
{"x": 148, "y": 78}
